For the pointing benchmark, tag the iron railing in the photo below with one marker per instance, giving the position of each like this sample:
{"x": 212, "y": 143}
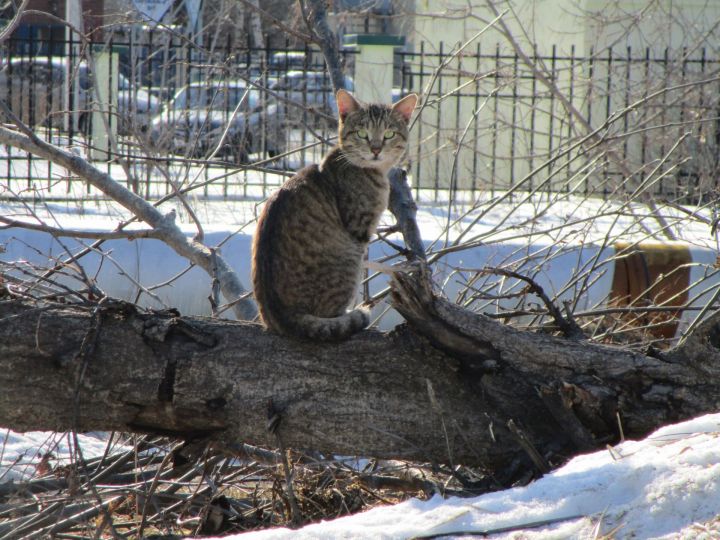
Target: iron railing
{"x": 605, "y": 124}
{"x": 222, "y": 119}
{"x": 610, "y": 124}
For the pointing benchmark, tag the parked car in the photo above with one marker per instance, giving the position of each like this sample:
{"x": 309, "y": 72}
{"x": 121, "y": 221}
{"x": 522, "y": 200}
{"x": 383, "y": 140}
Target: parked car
{"x": 302, "y": 101}
{"x": 284, "y": 60}
{"x": 33, "y": 87}
{"x": 308, "y": 87}
{"x": 275, "y": 126}
{"x": 196, "y": 118}
{"x": 193, "y": 122}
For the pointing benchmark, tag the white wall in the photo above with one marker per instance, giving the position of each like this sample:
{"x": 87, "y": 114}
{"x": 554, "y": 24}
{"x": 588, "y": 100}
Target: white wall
{"x": 584, "y": 24}
{"x": 150, "y": 262}
{"x": 573, "y": 27}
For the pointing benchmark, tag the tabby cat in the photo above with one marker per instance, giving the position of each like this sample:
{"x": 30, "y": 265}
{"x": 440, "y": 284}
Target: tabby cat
{"x": 313, "y": 232}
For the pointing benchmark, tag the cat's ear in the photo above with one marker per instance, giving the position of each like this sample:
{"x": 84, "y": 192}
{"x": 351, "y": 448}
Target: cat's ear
{"x": 406, "y": 106}
{"x": 346, "y": 103}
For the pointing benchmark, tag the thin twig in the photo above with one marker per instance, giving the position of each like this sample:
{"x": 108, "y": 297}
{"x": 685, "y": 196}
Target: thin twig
{"x": 13, "y": 23}
{"x": 567, "y": 325}
{"x": 77, "y": 233}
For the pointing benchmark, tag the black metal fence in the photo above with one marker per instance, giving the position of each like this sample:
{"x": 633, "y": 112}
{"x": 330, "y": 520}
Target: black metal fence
{"x": 231, "y": 121}
{"x": 224, "y": 119}
{"x": 608, "y": 124}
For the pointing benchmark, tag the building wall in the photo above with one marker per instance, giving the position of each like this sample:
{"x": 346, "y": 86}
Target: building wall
{"x": 566, "y": 30}
{"x": 580, "y": 24}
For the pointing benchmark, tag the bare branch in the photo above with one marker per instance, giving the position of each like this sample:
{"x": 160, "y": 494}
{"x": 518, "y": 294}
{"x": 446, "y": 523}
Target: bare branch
{"x": 574, "y": 113}
{"x": 163, "y": 224}
{"x": 77, "y": 233}
{"x": 316, "y": 20}
{"x": 12, "y": 24}
{"x": 404, "y": 209}
{"x": 277, "y": 22}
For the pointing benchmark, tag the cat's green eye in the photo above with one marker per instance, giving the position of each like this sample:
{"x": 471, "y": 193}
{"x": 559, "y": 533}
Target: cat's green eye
{"x": 389, "y": 134}
{"x": 362, "y": 133}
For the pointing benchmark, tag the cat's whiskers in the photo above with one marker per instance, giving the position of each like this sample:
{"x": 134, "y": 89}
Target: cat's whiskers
{"x": 345, "y": 161}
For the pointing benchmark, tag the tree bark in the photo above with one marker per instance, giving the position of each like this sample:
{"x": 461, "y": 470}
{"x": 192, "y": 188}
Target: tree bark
{"x": 195, "y": 377}
{"x": 458, "y": 388}
{"x": 588, "y": 388}
{"x": 315, "y": 13}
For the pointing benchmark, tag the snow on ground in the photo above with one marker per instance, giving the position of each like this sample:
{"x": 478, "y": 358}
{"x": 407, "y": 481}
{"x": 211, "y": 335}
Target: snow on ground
{"x": 665, "y": 486}
{"x": 22, "y": 453}
{"x": 656, "y": 488}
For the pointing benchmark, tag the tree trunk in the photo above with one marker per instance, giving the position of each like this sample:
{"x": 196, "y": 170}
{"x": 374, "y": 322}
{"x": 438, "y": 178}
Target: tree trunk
{"x": 255, "y": 24}
{"x": 195, "y": 377}
{"x": 325, "y": 38}
{"x": 482, "y": 394}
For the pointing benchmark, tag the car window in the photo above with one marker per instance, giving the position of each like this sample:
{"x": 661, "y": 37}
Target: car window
{"x": 227, "y": 98}
{"x": 83, "y": 76}
{"x": 316, "y": 83}
{"x": 41, "y": 70}
{"x": 280, "y": 84}
{"x": 220, "y": 98}
{"x": 288, "y": 82}
{"x": 312, "y": 82}
{"x": 298, "y": 83}
{"x": 57, "y": 73}
{"x": 285, "y": 59}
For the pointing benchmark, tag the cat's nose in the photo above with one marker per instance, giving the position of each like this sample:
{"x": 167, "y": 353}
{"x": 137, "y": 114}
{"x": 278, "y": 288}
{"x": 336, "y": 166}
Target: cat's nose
{"x": 376, "y": 150}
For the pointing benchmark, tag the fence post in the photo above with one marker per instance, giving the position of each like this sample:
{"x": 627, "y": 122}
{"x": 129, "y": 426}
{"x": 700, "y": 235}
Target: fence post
{"x": 374, "y": 65}
{"x": 73, "y": 15}
{"x": 105, "y": 104}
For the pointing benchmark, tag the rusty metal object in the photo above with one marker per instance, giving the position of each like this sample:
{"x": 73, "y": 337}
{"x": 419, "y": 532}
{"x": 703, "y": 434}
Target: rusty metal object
{"x": 652, "y": 274}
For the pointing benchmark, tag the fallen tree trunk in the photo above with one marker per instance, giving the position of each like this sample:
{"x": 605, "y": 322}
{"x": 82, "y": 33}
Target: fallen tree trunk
{"x": 592, "y": 391}
{"x": 118, "y": 369}
{"x": 456, "y": 388}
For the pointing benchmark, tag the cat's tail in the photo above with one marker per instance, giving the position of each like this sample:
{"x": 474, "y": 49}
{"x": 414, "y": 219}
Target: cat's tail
{"x": 281, "y": 319}
{"x": 332, "y": 328}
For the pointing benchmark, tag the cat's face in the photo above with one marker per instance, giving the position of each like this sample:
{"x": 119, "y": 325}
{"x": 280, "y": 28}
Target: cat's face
{"x": 373, "y": 135}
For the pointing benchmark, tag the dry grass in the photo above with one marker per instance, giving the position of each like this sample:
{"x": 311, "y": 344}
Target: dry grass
{"x": 161, "y": 489}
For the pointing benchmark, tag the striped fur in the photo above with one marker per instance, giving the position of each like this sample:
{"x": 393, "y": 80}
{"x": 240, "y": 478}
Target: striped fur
{"x": 313, "y": 232}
